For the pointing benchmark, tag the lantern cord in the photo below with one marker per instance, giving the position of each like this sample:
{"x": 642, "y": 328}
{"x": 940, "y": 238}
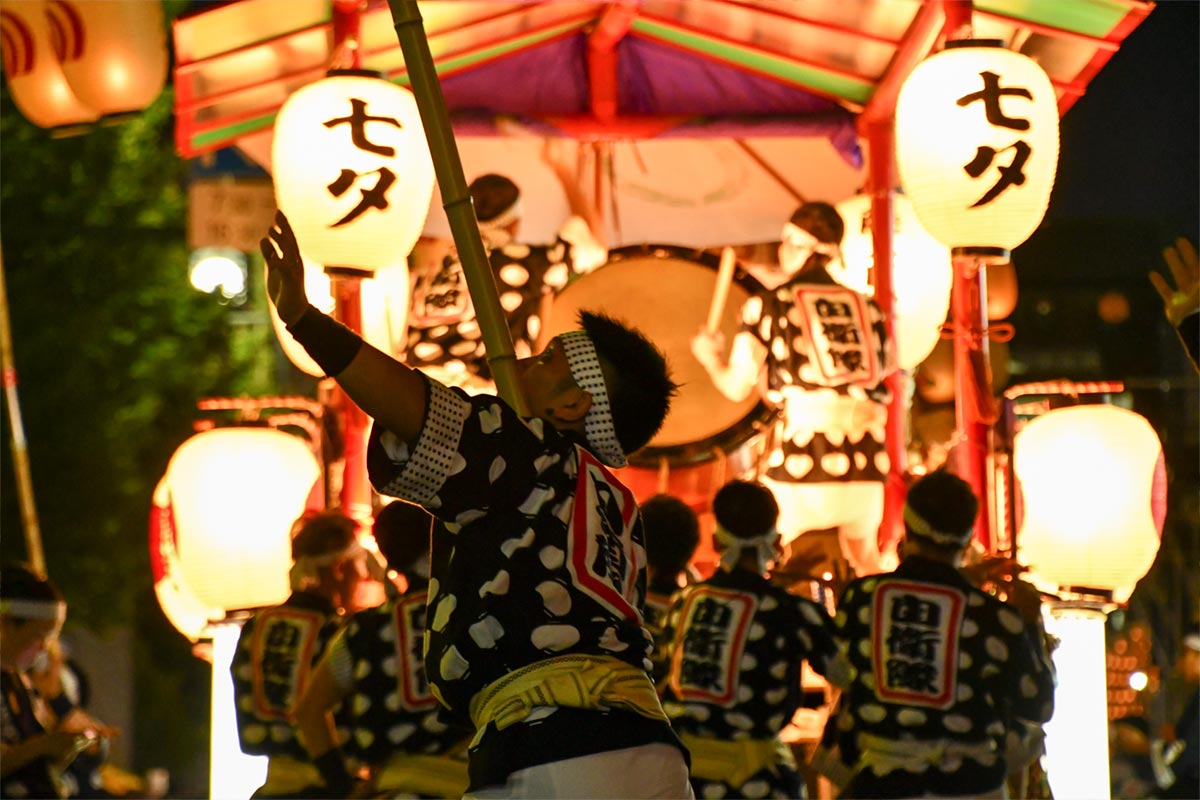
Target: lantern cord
{"x": 20, "y": 453}
{"x": 460, "y": 211}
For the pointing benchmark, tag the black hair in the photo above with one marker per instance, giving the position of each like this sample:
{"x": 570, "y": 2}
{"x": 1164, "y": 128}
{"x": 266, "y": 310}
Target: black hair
{"x": 321, "y": 533}
{"x": 821, "y": 220}
{"x": 402, "y": 531}
{"x": 946, "y": 502}
{"x": 745, "y": 508}
{"x": 20, "y": 582}
{"x": 492, "y": 195}
{"x": 637, "y": 378}
{"x": 672, "y": 533}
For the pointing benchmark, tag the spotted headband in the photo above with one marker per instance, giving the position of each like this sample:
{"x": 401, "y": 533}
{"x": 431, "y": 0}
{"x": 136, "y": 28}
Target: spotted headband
{"x": 19, "y": 608}
{"x": 598, "y": 425}
{"x": 919, "y": 526}
{"x": 495, "y": 229}
{"x": 763, "y": 545}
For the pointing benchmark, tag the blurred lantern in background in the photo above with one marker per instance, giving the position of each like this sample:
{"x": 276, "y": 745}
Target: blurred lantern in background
{"x": 352, "y": 170}
{"x": 921, "y": 274}
{"x": 984, "y": 180}
{"x": 384, "y": 312}
{"x": 1093, "y": 491}
{"x": 115, "y": 58}
{"x": 222, "y": 520}
{"x": 34, "y": 72}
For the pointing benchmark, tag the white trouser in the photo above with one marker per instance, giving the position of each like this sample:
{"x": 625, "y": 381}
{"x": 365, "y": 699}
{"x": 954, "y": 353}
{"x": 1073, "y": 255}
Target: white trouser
{"x": 650, "y": 771}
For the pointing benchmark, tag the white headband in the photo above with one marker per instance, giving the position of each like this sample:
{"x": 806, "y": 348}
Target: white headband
{"x": 763, "y": 544}
{"x": 598, "y": 425}
{"x": 1192, "y": 641}
{"x": 20, "y": 608}
{"x": 305, "y": 572}
{"x": 495, "y": 229}
{"x": 799, "y": 237}
{"x": 921, "y": 527}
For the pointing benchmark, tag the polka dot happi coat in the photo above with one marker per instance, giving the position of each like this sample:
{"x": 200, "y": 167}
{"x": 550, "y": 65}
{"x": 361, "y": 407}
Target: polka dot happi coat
{"x": 538, "y": 550}
{"x": 442, "y": 328}
{"x": 932, "y": 658}
{"x": 734, "y": 645}
{"x": 390, "y": 707}
{"x": 778, "y": 319}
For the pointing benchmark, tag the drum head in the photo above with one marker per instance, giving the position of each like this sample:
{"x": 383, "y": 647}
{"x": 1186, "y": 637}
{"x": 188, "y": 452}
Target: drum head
{"x": 666, "y": 292}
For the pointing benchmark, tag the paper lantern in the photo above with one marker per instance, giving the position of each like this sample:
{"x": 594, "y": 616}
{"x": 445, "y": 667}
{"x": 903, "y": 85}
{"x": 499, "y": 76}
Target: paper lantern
{"x": 225, "y": 509}
{"x": 385, "y": 306}
{"x": 34, "y": 74}
{"x": 977, "y": 144}
{"x": 352, "y": 170}
{"x": 113, "y": 52}
{"x": 921, "y": 273}
{"x": 1093, "y": 488}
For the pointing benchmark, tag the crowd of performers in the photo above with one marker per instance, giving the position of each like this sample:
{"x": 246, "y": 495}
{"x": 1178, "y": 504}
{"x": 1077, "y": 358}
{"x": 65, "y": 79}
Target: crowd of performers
{"x": 544, "y": 636}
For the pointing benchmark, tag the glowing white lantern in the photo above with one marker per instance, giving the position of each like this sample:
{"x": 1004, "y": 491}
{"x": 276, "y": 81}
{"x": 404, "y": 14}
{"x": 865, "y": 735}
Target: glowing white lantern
{"x": 34, "y": 74}
{"x": 114, "y": 52}
{"x": 352, "y": 170}
{"x": 977, "y": 144}
{"x": 385, "y": 305}
{"x": 1094, "y": 493}
{"x": 921, "y": 274}
{"x": 229, "y": 498}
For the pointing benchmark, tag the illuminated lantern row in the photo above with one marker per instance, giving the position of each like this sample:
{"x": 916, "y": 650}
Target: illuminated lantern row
{"x": 384, "y": 312}
{"x": 1094, "y": 491}
{"x": 921, "y": 274}
{"x": 977, "y": 144}
{"x": 352, "y": 170}
{"x": 221, "y": 523}
{"x": 70, "y": 62}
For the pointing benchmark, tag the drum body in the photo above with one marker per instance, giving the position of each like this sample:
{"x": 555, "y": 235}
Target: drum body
{"x": 666, "y": 291}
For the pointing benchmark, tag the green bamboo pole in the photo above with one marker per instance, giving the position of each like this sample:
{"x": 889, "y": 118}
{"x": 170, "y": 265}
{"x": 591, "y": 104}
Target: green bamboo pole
{"x": 456, "y": 199}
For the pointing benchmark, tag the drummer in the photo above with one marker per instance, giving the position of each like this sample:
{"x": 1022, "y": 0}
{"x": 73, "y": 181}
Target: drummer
{"x": 444, "y": 339}
{"x": 820, "y": 352}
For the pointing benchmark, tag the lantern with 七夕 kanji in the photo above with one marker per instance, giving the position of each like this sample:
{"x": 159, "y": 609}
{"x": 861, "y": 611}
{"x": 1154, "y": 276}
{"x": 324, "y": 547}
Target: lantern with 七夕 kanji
{"x": 1093, "y": 491}
{"x": 921, "y": 273}
{"x": 220, "y": 534}
{"x": 33, "y": 71}
{"x": 977, "y": 144}
{"x": 352, "y": 170}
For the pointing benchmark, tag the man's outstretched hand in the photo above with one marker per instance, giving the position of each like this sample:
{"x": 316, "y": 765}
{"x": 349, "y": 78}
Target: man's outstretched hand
{"x": 285, "y": 270}
{"x": 1185, "y": 269}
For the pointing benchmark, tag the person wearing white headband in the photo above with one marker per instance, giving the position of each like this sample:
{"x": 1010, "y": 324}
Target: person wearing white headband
{"x": 34, "y": 750}
{"x": 374, "y": 669}
{"x": 278, "y": 646}
{"x": 535, "y": 635}
{"x": 819, "y": 353}
{"x": 734, "y": 645}
{"x": 443, "y": 337}
{"x": 935, "y": 672}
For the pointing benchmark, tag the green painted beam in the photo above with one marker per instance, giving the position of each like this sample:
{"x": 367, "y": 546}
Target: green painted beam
{"x": 1090, "y": 17}
{"x": 779, "y": 67}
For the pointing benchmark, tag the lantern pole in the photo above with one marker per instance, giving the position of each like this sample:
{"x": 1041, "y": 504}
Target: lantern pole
{"x": 354, "y": 494}
{"x": 456, "y": 200}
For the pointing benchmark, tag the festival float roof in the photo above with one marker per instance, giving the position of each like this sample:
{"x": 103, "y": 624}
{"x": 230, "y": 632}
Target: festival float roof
{"x": 722, "y": 114}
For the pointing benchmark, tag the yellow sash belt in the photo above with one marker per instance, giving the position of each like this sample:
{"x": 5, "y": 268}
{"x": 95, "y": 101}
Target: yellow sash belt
{"x": 432, "y": 776}
{"x": 734, "y": 762}
{"x": 571, "y": 681}
{"x": 286, "y": 776}
{"x": 887, "y": 755}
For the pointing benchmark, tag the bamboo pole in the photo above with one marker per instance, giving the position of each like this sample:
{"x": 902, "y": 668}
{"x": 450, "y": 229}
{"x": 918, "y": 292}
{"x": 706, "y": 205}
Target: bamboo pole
{"x": 20, "y": 452}
{"x": 456, "y": 199}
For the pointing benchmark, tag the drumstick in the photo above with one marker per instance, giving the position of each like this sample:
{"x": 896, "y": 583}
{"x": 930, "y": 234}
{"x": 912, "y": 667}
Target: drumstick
{"x": 721, "y": 291}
